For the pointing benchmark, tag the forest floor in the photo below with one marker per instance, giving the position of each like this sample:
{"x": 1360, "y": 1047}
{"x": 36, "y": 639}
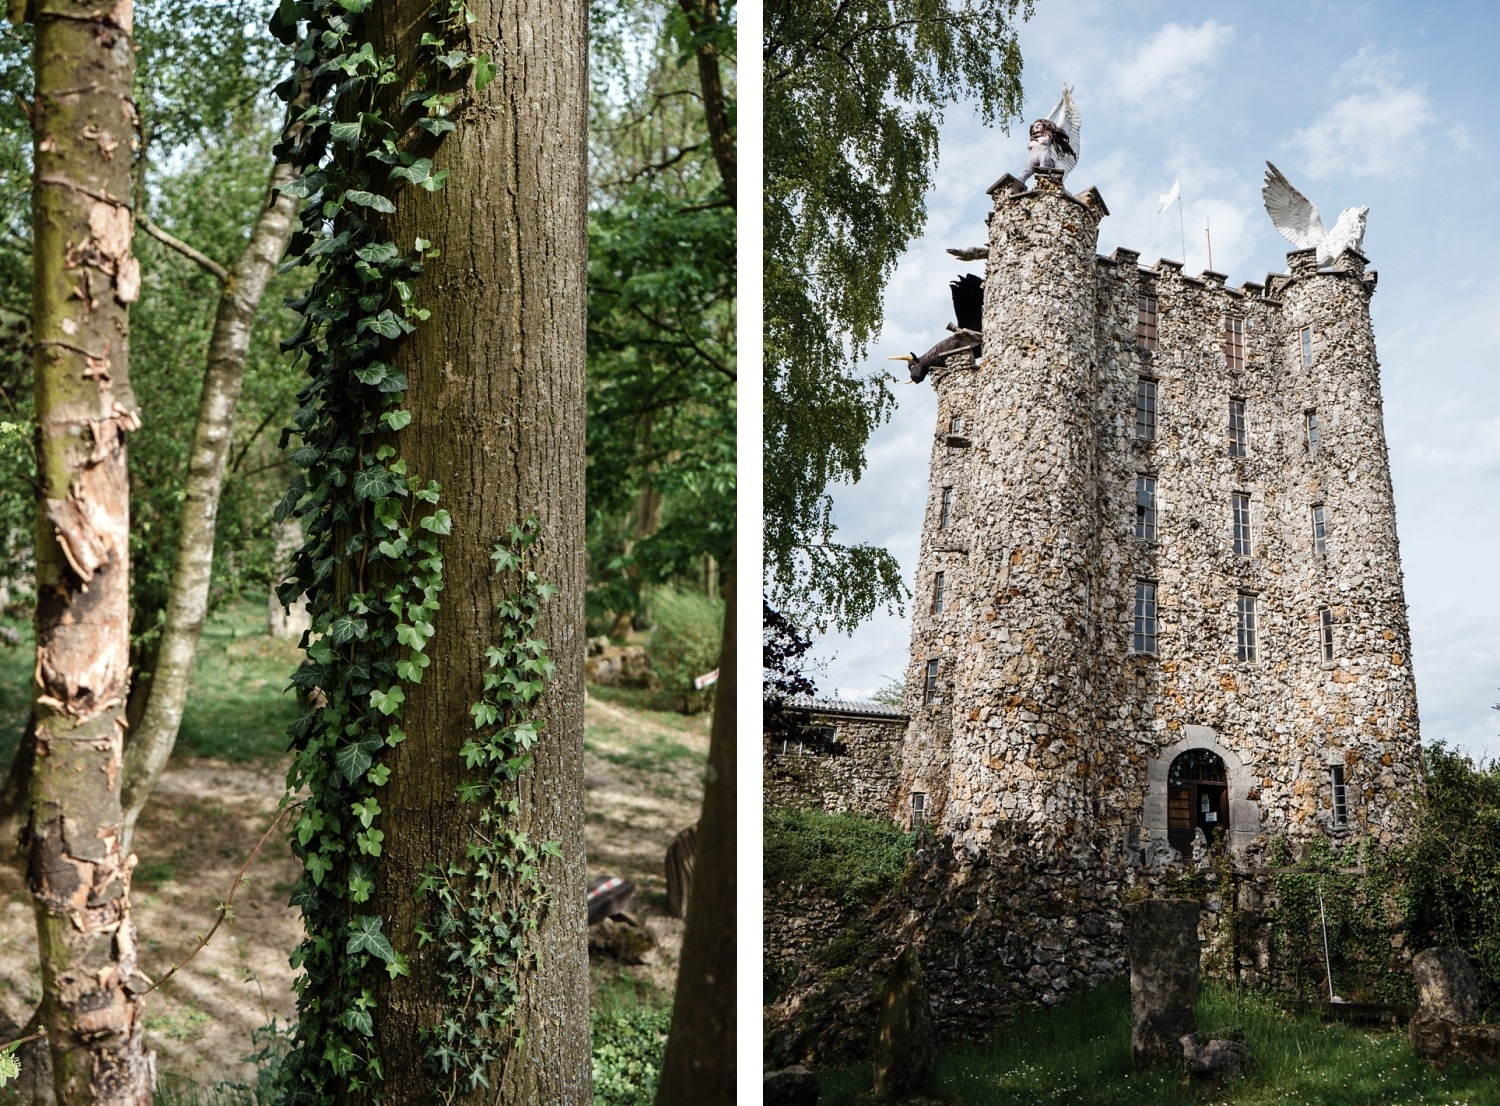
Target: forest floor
{"x": 643, "y": 774}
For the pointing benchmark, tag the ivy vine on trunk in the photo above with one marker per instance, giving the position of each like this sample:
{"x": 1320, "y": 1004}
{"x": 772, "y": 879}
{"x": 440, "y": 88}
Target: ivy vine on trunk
{"x": 382, "y": 819}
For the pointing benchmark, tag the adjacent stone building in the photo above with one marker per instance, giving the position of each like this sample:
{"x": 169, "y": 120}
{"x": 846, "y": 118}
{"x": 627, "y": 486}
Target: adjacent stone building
{"x": 1159, "y": 587}
{"x": 860, "y": 780}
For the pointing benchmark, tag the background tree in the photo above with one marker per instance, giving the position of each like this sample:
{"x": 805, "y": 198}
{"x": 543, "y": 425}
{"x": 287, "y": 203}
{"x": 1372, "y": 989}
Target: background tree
{"x": 854, "y": 92}
{"x": 84, "y": 279}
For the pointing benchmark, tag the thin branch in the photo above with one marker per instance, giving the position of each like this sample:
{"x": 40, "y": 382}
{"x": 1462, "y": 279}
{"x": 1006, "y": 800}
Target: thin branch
{"x": 220, "y": 273}
{"x": 226, "y": 908}
{"x": 234, "y": 466}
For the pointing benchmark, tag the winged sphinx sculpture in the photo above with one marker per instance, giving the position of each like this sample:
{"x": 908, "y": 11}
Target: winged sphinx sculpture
{"x": 1299, "y": 223}
{"x": 1055, "y": 138}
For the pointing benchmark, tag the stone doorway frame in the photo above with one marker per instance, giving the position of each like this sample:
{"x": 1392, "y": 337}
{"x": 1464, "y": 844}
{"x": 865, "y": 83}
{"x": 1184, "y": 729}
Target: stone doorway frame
{"x": 1244, "y": 812}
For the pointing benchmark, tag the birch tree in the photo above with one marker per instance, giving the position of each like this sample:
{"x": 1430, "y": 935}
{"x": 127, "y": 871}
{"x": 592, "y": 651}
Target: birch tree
{"x": 84, "y": 278}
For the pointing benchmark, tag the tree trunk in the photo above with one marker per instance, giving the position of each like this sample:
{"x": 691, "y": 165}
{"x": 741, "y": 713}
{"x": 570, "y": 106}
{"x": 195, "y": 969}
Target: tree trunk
{"x": 647, "y": 522}
{"x": 152, "y": 738}
{"x": 497, "y": 401}
{"x": 698, "y": 1069}
{"x": 83, "y": 279}
{"x": 705, "y": 19}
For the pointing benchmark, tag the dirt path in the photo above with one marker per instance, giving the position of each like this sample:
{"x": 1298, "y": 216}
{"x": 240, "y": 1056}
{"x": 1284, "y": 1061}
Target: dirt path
{"x": 643, "y": 778}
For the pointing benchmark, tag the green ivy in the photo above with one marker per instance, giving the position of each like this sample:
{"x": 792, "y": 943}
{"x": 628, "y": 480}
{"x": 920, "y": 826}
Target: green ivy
{"x": 486, "y": 905}
{"x": 372, "y": 565}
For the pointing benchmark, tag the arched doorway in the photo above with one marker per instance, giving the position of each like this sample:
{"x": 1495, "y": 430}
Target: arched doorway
{"x": 1197, "y": 798}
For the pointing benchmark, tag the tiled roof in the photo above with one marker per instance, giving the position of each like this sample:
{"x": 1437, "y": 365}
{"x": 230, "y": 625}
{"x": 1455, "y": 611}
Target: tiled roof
{"x": 845, "y": 706}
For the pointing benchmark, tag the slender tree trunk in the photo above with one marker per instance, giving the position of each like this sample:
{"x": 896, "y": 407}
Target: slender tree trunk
{"x": 704, "y": 17}
{"x": 83, "y": 279}
{"x": 647, "y": 522}
{"x": 497, "y": 400}
{"x": 698, "y": 1069}
{"x": 152, "y": 738}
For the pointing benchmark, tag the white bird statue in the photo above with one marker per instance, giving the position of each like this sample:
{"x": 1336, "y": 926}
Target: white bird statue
{"x": 1299, "y": 223}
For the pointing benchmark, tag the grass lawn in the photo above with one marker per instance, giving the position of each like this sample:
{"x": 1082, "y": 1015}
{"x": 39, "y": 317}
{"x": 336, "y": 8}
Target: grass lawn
{"x": 1079, "y": 1053}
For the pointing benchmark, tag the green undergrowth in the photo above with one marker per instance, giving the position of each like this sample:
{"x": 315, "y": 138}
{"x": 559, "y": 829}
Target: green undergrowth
{"x": 1078, "y": 1053}
{"x": 16, "y": 664}
{"x": 628, "y": 1019}
{"x": 239, "y": 707}
{"x": 851, "y": 858}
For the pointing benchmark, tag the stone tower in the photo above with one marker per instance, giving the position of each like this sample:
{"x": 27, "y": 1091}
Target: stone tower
{"x": 1159, "y": 587}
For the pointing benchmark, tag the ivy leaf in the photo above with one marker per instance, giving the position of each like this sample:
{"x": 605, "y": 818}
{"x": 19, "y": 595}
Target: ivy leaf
{"x": 373, "y": 373}
{"x": 437, "y": 127}
{"x": 348, "y": 628}
{"x": 374, "y": 483}
{"x": 338, "y": 244}
{"x": 386, "y": 324}
{"x": 345, "y": 134}
{"x": 417, "y": 172}
{"x": 353, "y": 761}
{"x": 317, "y": 867}
{"x": 439, "y": 522}
{"x": 397, "y": 420}
{"x": 387, "y": 702}
{"x": 435, "y": 182}
{"x": 365, "y": 936}
{"x": 378, "y": 253}
{"x": 484, "y": 71}
{"x": 396, "y": 966}
{"x": 371, "y": 200}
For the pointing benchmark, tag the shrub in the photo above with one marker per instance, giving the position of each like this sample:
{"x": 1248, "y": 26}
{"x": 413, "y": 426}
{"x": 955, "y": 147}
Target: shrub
{"x": 852, "y": 858}
{"x": 685, "y": 644}
{"x": 628, "y": 1049}
{"x": 1452, "y": 863}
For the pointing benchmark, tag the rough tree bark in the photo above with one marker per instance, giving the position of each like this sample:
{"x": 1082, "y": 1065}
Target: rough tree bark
{"x": 84, "y": 278}
{"x": 154, "y": 735}
{"x": 497, "y": 400}
{"x": 698, "y": 1069}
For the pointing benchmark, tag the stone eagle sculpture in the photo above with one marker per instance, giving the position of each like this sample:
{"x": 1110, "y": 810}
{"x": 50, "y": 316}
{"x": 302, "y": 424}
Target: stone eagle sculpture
{"x": 1055, "y": 138}
{"x": 1299, "y": 223}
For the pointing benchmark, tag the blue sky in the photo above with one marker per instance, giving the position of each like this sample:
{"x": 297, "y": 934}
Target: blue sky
{"x": 1392, "y": 105}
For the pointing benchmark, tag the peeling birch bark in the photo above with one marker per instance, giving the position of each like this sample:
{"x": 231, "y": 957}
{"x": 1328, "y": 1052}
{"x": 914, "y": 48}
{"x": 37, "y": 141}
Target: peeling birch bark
{"x": 83, "y": 279}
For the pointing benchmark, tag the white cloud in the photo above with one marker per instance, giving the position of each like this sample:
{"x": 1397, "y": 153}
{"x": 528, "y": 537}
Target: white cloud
{"x": 1377, "y": 130}
{"x": 1170, "y": 68}
{"x": 1462, "y": 140}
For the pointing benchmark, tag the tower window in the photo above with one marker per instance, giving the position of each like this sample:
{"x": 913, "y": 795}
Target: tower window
{"x": 1234, "y": 343}
{"x": 1145, "y": 409}
{"x": 1340, "y": 795}
{"x": 1237, "y": 438}
{"x": 1143, "y": 639}
{"x": 937, "y": 592}
{"x": 1312, "y": 433}
{"x": 930, "y": 685}
{"x": 1307, "y": 352}
{"x": 1247, "y": 645}
{"x": 945, "y": 509}
{"x": 1240, "y": 505}
{"x": 1145, "y": 323}
{"x": 918, "y": 808}
{"x": 956, "y": 424}
{"x": 1320, "y": 530}
{"x": 1145, "y": 507}
{"x": 1325, "y": 632}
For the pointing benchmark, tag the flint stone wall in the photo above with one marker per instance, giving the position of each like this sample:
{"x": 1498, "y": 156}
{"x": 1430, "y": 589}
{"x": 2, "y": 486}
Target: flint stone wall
{"x": 862, "y": 781}
{"x": 1006, "y": 928}
{"x": 1045, "y": 717}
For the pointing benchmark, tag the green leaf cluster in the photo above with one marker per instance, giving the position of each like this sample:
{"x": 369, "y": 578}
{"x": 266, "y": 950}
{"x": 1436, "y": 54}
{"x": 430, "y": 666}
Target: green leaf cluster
{"x": 854, "y": 93}
{"x": 372, "y": 565}
{"x": 486, "y": 904}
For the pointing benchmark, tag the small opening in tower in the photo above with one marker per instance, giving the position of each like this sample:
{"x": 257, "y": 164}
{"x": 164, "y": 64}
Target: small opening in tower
{"x": 1145, "y": 409}
{"x": 1234, "y": 343}
{"x": 1340, "y": 795}
{"x": 1307, "y": 347}
{"x": 918, "y": 809}
{"x": 930, "y": 684}
{"x": 945, "y": 509}
{"x": 1325, "y": 632}
{"x": 1238, "y": 440}
{"x": 1320, "y": 529}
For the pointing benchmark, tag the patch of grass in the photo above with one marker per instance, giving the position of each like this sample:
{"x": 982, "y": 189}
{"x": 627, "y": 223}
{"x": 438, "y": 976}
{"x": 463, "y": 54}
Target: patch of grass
{"x": 1078, "y": 1053}
{"x": 151, "y": 874}
{"x": 239, "y": 708}
{"x": 180, "y": 1027}
{"x": 850, "y": 857}
{"x": 655, "y": 754}
{"x": 645, "y": 700}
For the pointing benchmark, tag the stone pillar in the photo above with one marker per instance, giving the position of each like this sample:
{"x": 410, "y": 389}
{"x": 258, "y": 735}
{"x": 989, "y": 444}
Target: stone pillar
{"x": 1162, "y": 943}
{"x": 904, "y": 1044}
